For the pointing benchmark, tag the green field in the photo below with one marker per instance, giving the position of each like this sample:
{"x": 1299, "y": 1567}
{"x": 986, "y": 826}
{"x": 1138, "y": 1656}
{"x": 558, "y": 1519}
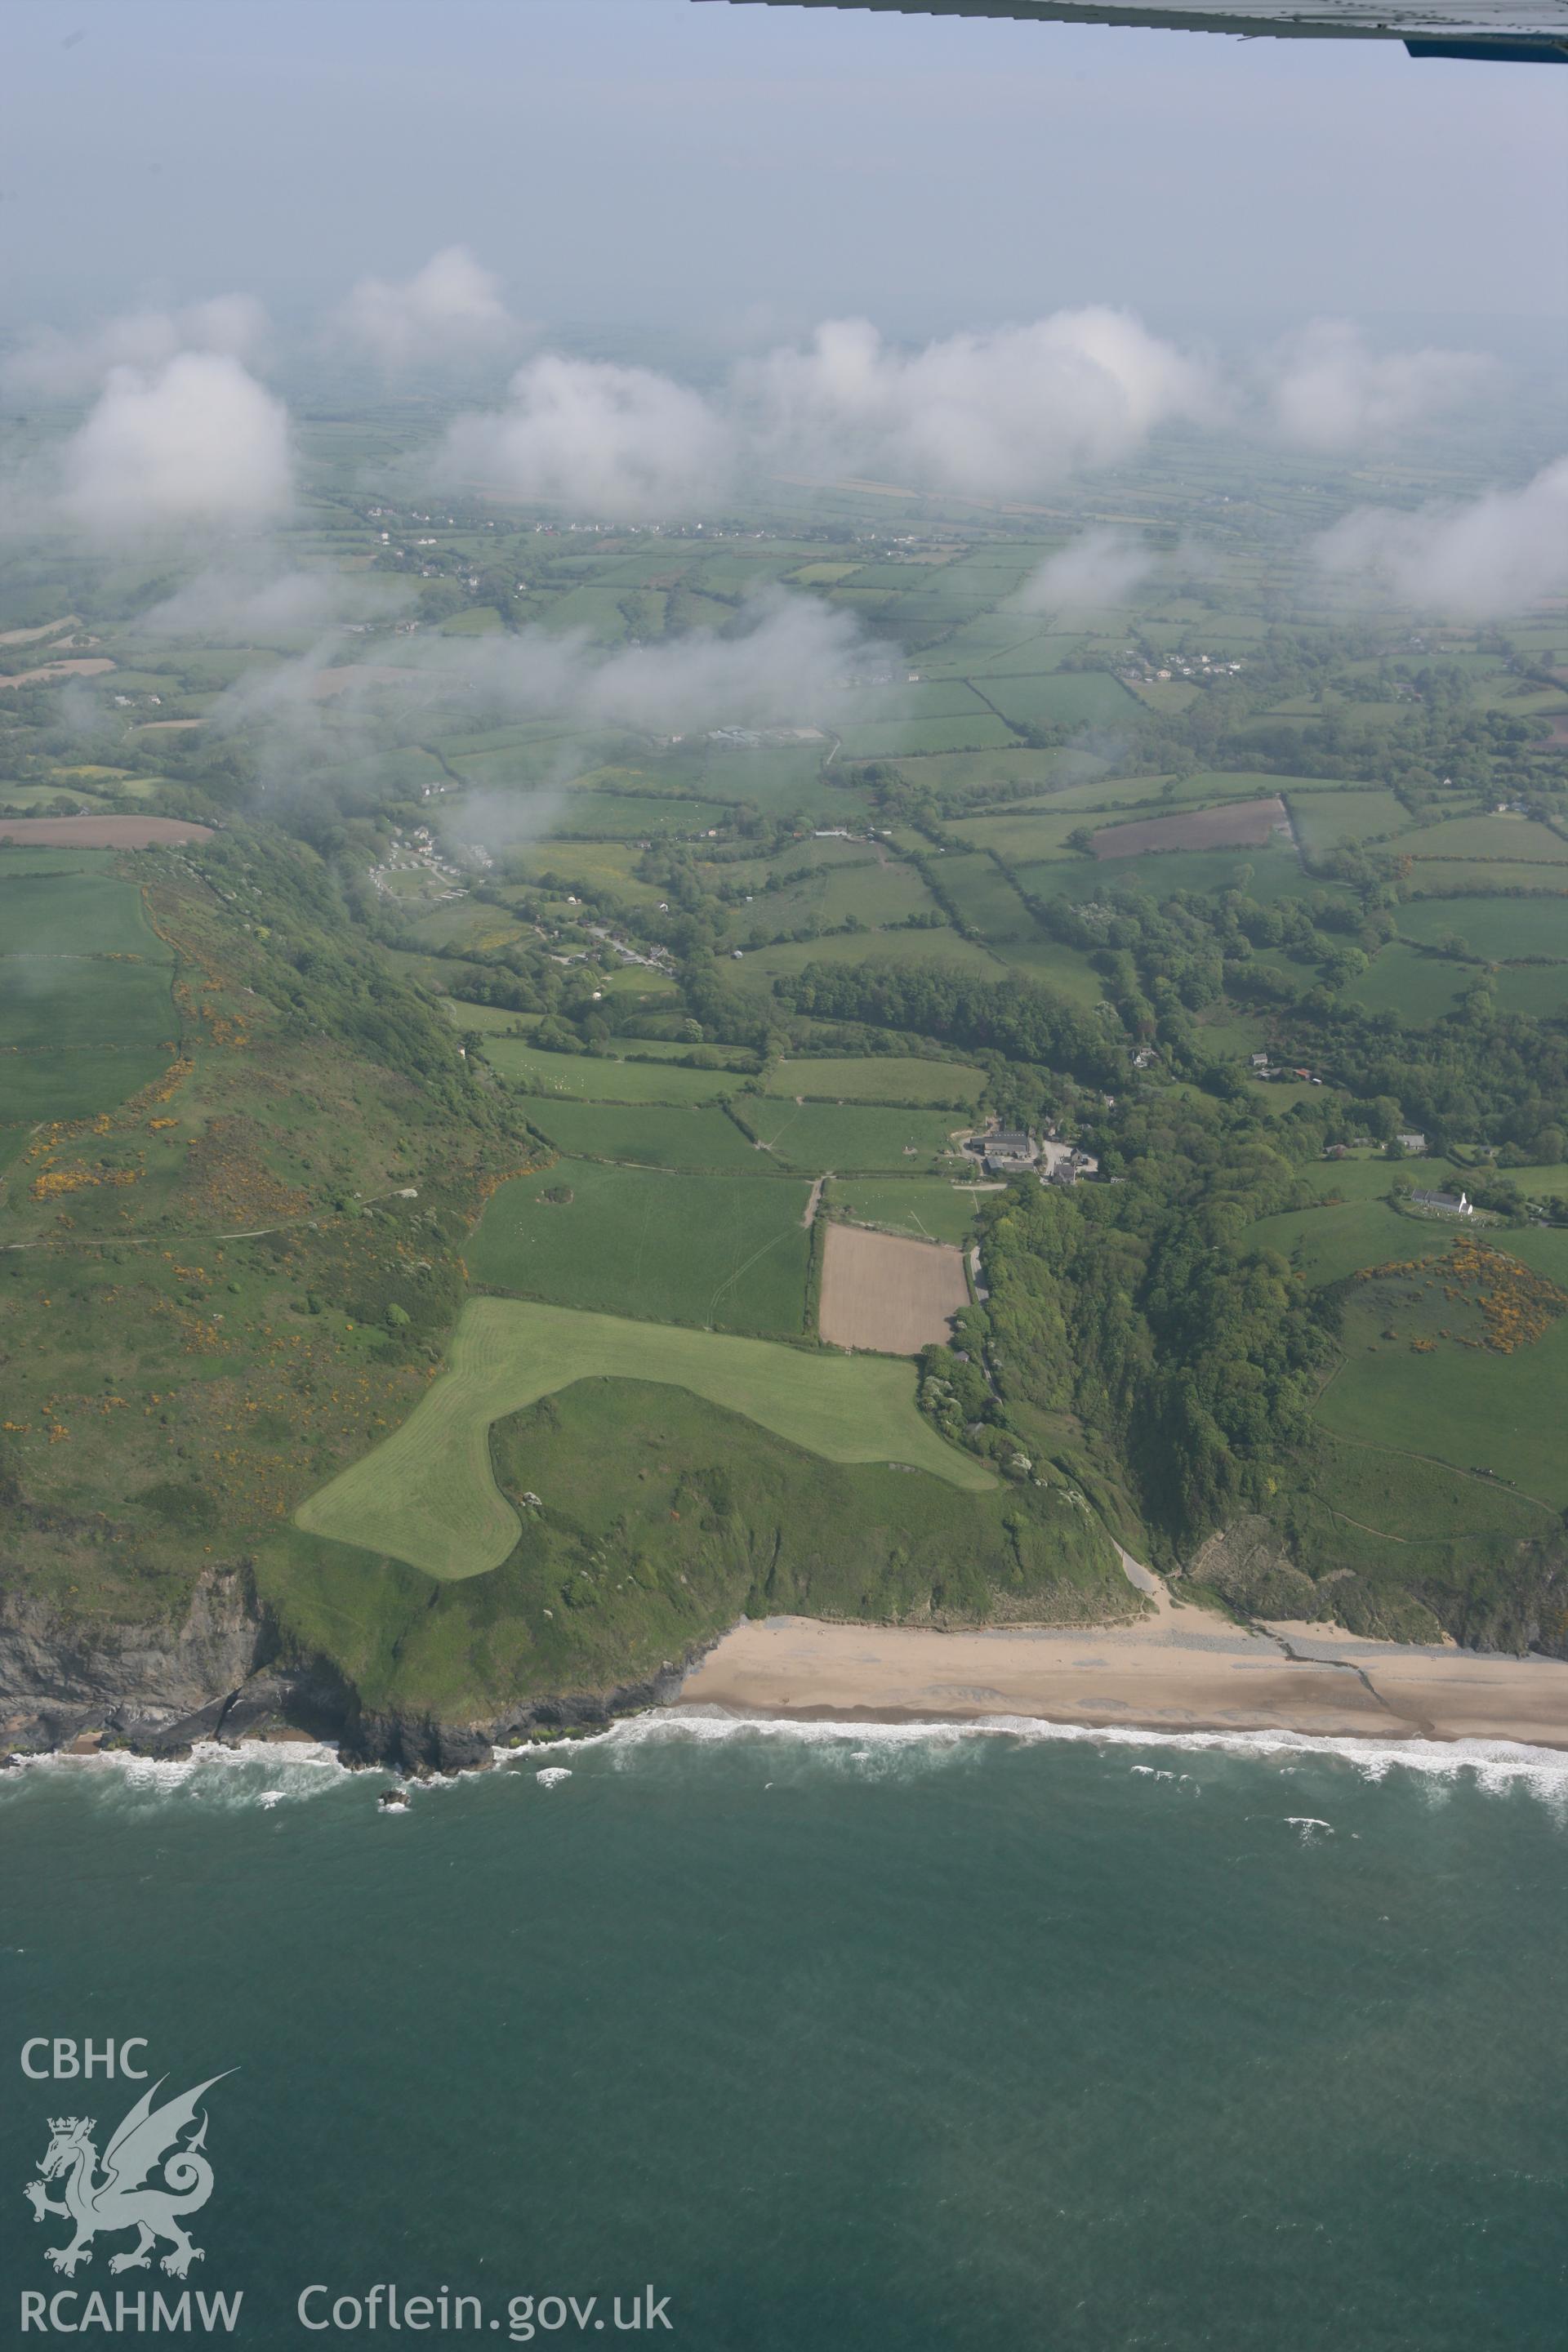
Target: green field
{"x": 1504, "y": 838}
{"x": 623, "y": 816}
{"x": 1494, "y": 927}
{"x": 654, "y": 1135}
{"x": 1022, "y": 838}
{"x": 1061, "y": 698}
{"x": 85, "y": 1008}
{"x": 1464, "y": 1406}
{"x": 726, "y": 1250}
{"x": 429, "y": 1496}
{"x": 72, "y": 913}
{"x": 929, "y": 1208}
{"x": 1066, "y": 969}
{"x": 1337, "y": 1239}
{"x": 487, "y": 1020}
{"x": 902, "y": 739}
{"x": 815, "y": 1137}
{"x": 599, "y": 1078}
{"x": 875, "y": 1078}
{"x": 1418, "y": 988}
{"x": 1327, "y": 820}
{"x": 1269, "y": 871}
{"x": 873, "y": 894}
{"x": 759, "y": 970}
{"x": 1539, "y": 989}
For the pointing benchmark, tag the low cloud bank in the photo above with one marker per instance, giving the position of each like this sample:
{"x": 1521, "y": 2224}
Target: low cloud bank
{"x": 242, "y": 607}
{"x": 1016, "y": 410}
{"x": 1011, "y": 413}
{"x": 196, "y": 444}
{"x": 448, "y": 310}
{"x": 1324, "y": 389}
{"x": 785, "y": 662}
{"x": 606, "y": 440}
{"x": 1002, "y": 413}
{"x": 1493, "y": 556}
{"x": 788, "y": 661}
{"x": 54, "y": 366}
{"x": 1101, "y": 568}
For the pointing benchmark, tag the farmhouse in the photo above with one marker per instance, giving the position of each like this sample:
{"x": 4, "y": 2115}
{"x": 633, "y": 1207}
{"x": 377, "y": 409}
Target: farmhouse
{"x": 1006, "y": 1151}
{"x": 1412, "y": 1143}
{"x": 1074, "y": 1164}
{"x": 1447, "y": 1204}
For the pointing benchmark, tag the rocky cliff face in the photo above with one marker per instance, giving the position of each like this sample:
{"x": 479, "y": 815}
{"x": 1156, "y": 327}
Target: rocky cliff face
{"x": 62, "y": 1674}
{"x": 224, "y": 1672}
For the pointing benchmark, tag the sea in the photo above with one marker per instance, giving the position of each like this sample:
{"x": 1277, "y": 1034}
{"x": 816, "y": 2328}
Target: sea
{"x": 822, "y": 2038}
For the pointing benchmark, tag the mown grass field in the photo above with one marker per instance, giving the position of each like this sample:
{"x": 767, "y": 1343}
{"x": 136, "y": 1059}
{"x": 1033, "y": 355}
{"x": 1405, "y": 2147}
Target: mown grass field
{"x": 876, "y": 1078}
{"x": 926, "y": 1208}
{"x": 709, "y": 1249}
{"x": 818, "y": 1137}
{"x": 598, "y": 1077}
{"x": 428, "y": 1495}
{"x": 651, "y": 1135}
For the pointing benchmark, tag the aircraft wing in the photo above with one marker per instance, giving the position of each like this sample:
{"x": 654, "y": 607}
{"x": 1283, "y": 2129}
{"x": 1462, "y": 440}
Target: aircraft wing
{"x": 1509, "y": 31}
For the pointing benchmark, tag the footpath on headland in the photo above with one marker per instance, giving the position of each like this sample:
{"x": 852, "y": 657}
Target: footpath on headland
{"x": 1180, "y": 1668}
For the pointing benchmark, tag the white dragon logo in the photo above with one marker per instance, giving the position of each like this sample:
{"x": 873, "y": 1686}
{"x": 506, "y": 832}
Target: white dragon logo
{"x": 118, "y": 2200}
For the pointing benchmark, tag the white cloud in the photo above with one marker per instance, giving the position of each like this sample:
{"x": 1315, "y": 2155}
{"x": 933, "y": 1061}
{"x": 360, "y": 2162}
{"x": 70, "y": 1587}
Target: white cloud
{"x": 781, "y": 668}
{"x": 783, "y": 664}
{"x": 1099, "y": 568}
{"x": 1495, "y": 555}
{"x": 52, "y": 365}
{"x": 244, "y": 608}
{"x": 447, "y": 310}
{"x": 621, "y": 441}
{"x": 195, "y": 443}
{"x": 1324, "y": 389}
{"x": 1000, "y": 413}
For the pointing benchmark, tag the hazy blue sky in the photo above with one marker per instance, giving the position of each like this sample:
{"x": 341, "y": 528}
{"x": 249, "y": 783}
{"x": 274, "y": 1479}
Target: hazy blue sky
{"x": 744, "y": 169}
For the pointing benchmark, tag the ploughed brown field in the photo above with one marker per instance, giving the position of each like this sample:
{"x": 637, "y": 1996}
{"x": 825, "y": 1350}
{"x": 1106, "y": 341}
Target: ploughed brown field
{"x": 883, "y": 1292}
{"x": 1241, "y": 824}
{"x": 98, "y": 832}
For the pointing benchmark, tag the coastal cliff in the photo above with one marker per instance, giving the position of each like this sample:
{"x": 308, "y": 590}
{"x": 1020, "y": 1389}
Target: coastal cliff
{"x": 226, "y": 1670}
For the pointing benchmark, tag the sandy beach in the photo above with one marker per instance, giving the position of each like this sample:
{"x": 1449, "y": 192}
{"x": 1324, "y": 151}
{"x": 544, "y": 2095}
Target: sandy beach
{"x": 1182, "y": 1668}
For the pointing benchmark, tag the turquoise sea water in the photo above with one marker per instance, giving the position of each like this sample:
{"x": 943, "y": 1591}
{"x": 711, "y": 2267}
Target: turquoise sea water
{"x": 839, "y": 2038}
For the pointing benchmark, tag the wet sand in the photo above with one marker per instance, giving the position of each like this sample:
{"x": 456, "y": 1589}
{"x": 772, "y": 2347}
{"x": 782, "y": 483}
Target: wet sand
{"x": 1179, "y": 1669}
